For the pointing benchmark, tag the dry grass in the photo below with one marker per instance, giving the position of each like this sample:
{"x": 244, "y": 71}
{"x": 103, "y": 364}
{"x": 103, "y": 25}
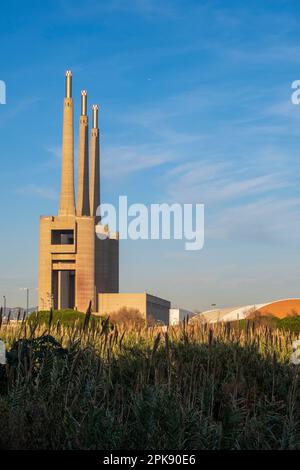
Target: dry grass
{"x": 127, "y": 316}
{"x": 118, "y": 386}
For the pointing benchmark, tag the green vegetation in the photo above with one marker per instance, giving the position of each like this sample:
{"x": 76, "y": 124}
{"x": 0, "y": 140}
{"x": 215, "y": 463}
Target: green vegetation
{"x": 101, "y": 386}
{"x": 291, "y": 323}
{"x": 64, "y": 317}
{"x": 288, "y": 324}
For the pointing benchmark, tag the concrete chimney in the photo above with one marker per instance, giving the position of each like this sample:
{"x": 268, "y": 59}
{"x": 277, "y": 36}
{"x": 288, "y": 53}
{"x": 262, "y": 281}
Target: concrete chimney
{"x": 67, "y": 196}
{"x": 83, "y": 193}
{"x": 95, "y": 165}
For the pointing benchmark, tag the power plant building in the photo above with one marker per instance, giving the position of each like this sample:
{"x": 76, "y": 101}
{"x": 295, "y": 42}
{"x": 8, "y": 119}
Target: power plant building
{"x": 74, "y": 264}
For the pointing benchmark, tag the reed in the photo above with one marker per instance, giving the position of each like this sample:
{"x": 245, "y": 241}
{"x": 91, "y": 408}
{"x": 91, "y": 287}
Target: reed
{"x": 100, "y": 385}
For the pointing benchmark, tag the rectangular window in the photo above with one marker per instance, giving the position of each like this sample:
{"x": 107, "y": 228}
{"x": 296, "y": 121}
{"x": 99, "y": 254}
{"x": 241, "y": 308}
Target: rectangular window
{"x": 62, "y": 237}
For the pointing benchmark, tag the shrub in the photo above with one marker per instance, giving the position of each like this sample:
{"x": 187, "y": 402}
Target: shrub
{"x": 127, "y": 315}
{"x": 64, "y": 317}
{"x": 290, "y": 323}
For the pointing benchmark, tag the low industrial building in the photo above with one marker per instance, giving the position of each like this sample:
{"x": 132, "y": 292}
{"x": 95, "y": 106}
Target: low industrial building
{"x": 149, "y": 306}
{"x": 178, "y": 315}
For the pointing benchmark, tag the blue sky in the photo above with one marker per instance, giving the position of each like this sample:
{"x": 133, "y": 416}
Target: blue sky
{"x": 195, "y": 101}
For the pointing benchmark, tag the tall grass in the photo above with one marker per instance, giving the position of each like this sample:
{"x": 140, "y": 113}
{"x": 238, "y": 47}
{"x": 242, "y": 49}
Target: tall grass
{"x": 102, "y": 386}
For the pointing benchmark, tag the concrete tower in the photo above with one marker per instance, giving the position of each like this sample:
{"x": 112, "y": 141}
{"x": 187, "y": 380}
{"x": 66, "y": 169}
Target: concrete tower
{"x": 74, "y": 264}
{"x": 95, "y": 164}
{"x": 67, "y": 196}
{"x": 83, "y": 196}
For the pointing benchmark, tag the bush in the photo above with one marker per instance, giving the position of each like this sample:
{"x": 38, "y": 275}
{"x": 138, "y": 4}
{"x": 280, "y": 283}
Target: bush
{"x": 127, "y": 315}
{"x": 289, "y": 324}
{"x": 64, "y": 317}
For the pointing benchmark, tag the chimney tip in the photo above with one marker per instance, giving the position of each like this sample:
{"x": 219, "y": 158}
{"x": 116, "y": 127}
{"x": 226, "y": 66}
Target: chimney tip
{"x": 68, "y": 84}
{"x": 83, "y": 102}
{"x": 95, "y": 109}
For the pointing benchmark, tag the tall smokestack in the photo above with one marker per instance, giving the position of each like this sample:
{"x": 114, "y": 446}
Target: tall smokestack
{"x": 67, "y": 197}
{"x": 95, "y": 165}
{"x": 83, "y": 194}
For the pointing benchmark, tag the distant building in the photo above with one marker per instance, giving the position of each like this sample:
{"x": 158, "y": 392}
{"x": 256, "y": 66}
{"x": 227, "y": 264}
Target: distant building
{"x": 75, "y": 265}
{"x": 149, "y": 306}
{"x": 178, "y": 315}
{"x": 278, "y": 308}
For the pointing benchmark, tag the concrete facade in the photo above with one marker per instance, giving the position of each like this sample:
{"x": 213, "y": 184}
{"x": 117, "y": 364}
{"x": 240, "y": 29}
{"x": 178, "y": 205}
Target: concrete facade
{"x": 178, "y": 315}
{"x": 74, "y": 264}
{"x": 150, "y": 306}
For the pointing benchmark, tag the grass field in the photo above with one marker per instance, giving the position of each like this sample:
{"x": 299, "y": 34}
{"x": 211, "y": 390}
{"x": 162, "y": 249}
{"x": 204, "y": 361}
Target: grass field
{"x": 101, "y": 386}
{"x": 290, "y": 323}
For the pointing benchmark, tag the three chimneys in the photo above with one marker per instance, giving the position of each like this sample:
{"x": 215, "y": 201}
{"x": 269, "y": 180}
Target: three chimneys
{"x": 88, "y": 194}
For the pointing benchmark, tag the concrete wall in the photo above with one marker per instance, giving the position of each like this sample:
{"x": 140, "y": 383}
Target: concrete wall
{"x": 158, "y": 309}
{"x": 45, "y": 272}
{"x": 113, "y": 302}
{"x": 85, "y": 263}
{"x": 106, "y": 262}
{"x": 113, "y": 263}
{"x": 150, "y": 306}
{"x": 177, "y": 315}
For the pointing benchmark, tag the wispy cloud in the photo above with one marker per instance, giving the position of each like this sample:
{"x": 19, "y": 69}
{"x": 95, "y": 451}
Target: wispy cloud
{"x": 267, "y": 220}
{"x": 73, "y": 9}
{"x": 248, "y": 203}
{"x": 32, "y": 190}
{"x": 55, "y": 151}
{"x": 211, "y": 183}
{"x": 131, "y": 159}
{"x": 15, "y": 109}
{"x": 268, "y": 54}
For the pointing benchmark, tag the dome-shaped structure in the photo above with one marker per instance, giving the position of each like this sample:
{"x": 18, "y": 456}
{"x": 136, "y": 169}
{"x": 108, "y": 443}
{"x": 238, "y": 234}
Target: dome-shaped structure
{"x": 278, "y": 308}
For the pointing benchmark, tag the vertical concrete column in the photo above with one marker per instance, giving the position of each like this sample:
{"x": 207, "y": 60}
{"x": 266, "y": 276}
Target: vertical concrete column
{"x": 95, "y": 165}
{"x": 67, "y": 196}
{"x": 83, "y": 193}
{"x": 45, "y": 263}
{"x": 85, "y": 263}
{"x": 63, "y": 289}
{"x": 113, "y": 283}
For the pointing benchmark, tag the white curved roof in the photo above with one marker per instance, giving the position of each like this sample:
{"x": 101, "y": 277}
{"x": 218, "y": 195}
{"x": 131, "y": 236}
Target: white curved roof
{"x": 241, "y": 312}
{"x": 230, "y": 314}
{"x": 233, "y": 313}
